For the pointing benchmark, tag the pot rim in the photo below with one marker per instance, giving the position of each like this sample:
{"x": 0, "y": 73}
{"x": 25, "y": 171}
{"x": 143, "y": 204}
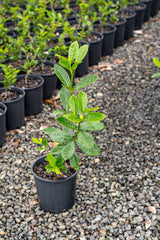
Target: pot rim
{"x": 99, "y": 34}
{"x": 4, "y": 107}
{"x": 46, "y": 180}
{"x": 111, "y": 26}
{"x": 14, "y": 89}
{"x": 32, "y": 75}
{"x": 46, "y": 74}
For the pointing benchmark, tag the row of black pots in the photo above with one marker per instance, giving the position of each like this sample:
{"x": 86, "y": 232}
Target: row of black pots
{"x": 29, "y": 103}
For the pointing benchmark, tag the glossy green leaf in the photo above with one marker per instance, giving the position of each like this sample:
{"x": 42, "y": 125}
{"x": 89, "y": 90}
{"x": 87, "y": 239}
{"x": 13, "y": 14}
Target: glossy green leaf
{"x": 64, "y": 97}
{"x": 58, "y": 112}
{"x": 93, "y": 151}
{"x": 65, "y": 122}
{"x": 74, "y": 118}
{"x": 44, "y": 142}
{"x": 35, "y": 140}
{"x": 59, "y": 163}
{"x": 62, "y": 75}
{"x": 94, "y": 117}
{"x": 49, "y": 130}
{"x": 57, "y": 136}
{"x": 68, "y": 150}
{"x": 85, "y": 82}
{"x": 73, "y": 104}
{"x": 65, "y": 63}
{"x": 83, "y": 101}
{"x": 51, "y": 159}
{"x": 92, "y": 126}
{"x": 156, "y": 62}
{"x": 85, "y": 139}
{"x": 74, "y": 162}
{"x": 91, "y": 109}
{"x": 73, "y": 51}
{"x": 81, "y": 53}
{"x": 57, "y": 149}
{"x": 156, "y": 75}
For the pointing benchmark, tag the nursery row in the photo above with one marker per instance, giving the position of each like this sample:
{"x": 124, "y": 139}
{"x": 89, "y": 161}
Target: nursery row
{"x": 46, "y": 31}
{"x": 32, "y": 35}
{"x": 34, "y": 32}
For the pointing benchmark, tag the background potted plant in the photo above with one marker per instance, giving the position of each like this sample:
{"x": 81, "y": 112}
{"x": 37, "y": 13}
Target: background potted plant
{"x": 56, "y": 180}
{"x": 31, "y": 83}
{"x": 13, "y": 98}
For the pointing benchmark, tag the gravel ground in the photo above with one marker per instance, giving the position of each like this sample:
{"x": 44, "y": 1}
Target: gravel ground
{"x": 118, "y": 193}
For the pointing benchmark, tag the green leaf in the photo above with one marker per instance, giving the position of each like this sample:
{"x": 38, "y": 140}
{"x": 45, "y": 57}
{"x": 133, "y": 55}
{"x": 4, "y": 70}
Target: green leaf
{"x": 57, "y": 150}
{"x": 59, "y": 164}
{"x": 58, "y": 112}
{"x": 94, "y": 117}
{"x": 49, "y": 130}
{"x": 65, "y": 122}
{"x": 57, "y": 136}
{"x": 73, "y": 104}
{"x": 93, "y": 151}
{"x": 67, "y": 132}
{"x": 85, "y": 82}
{"x": 85, "y": 139}
{"x": 83, "y": 101}
{"x": 156, "y": 75}
{"x": 81, "y": 53}
{"x": 35, "y": 140}
{"x": 91, "y": 109}
{"x": 62, "y": 75}
{"x": 73, "y": 51}
{"x": 68, "y": 150}
{"x": 50, "y": 159}
{"x": 156, "y": 62}
{"x": 74, "y": 162}
{"x": 74, "y": 118}
{"x": 92, "y": 126}
{"x": 65, "y": 63}
{"x": 40, "y": 148}
{"x": 50, "y": 168}
{"x": 64, "y": 97}
{"x": 44, "y": 142}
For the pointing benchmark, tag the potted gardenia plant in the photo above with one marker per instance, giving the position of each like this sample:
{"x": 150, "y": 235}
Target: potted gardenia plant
{"x": 55, "y": 174}
{"x": 12, "y": 97}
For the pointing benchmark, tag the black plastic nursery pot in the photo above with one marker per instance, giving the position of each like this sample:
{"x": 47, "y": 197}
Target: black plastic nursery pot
{"x": 15, "y": 110}
{"x": 2, "y": 123}
{"x": 33, "y": 96}
{"x": 147, "y": 12}
{"x": 154, "y": 7}
{"x": 95, "y": 49}
{"x": 108, "y": 38}
{"x": 50, "y": 82}
{"x": 119, "y": 33}
{"x": 82, "y": 68}
{"x": 139, "y": 15}
{"x": 130, "y": 22}
{"x": 55, "y": 196}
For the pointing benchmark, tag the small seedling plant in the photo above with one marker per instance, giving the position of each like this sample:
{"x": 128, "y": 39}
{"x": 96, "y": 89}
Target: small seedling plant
{"x": 105, "y": 10}
{"x": 76, "y": 119}
{"x": 157, "y": 63}
{"x": 30, "y": 62}
{"x": 122, "y": 5}
{"x": 10, "y": 75}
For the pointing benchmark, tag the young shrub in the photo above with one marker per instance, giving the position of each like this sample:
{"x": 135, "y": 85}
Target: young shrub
{"x": 76, "y": 119}
{"x": 10, "y": 75}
